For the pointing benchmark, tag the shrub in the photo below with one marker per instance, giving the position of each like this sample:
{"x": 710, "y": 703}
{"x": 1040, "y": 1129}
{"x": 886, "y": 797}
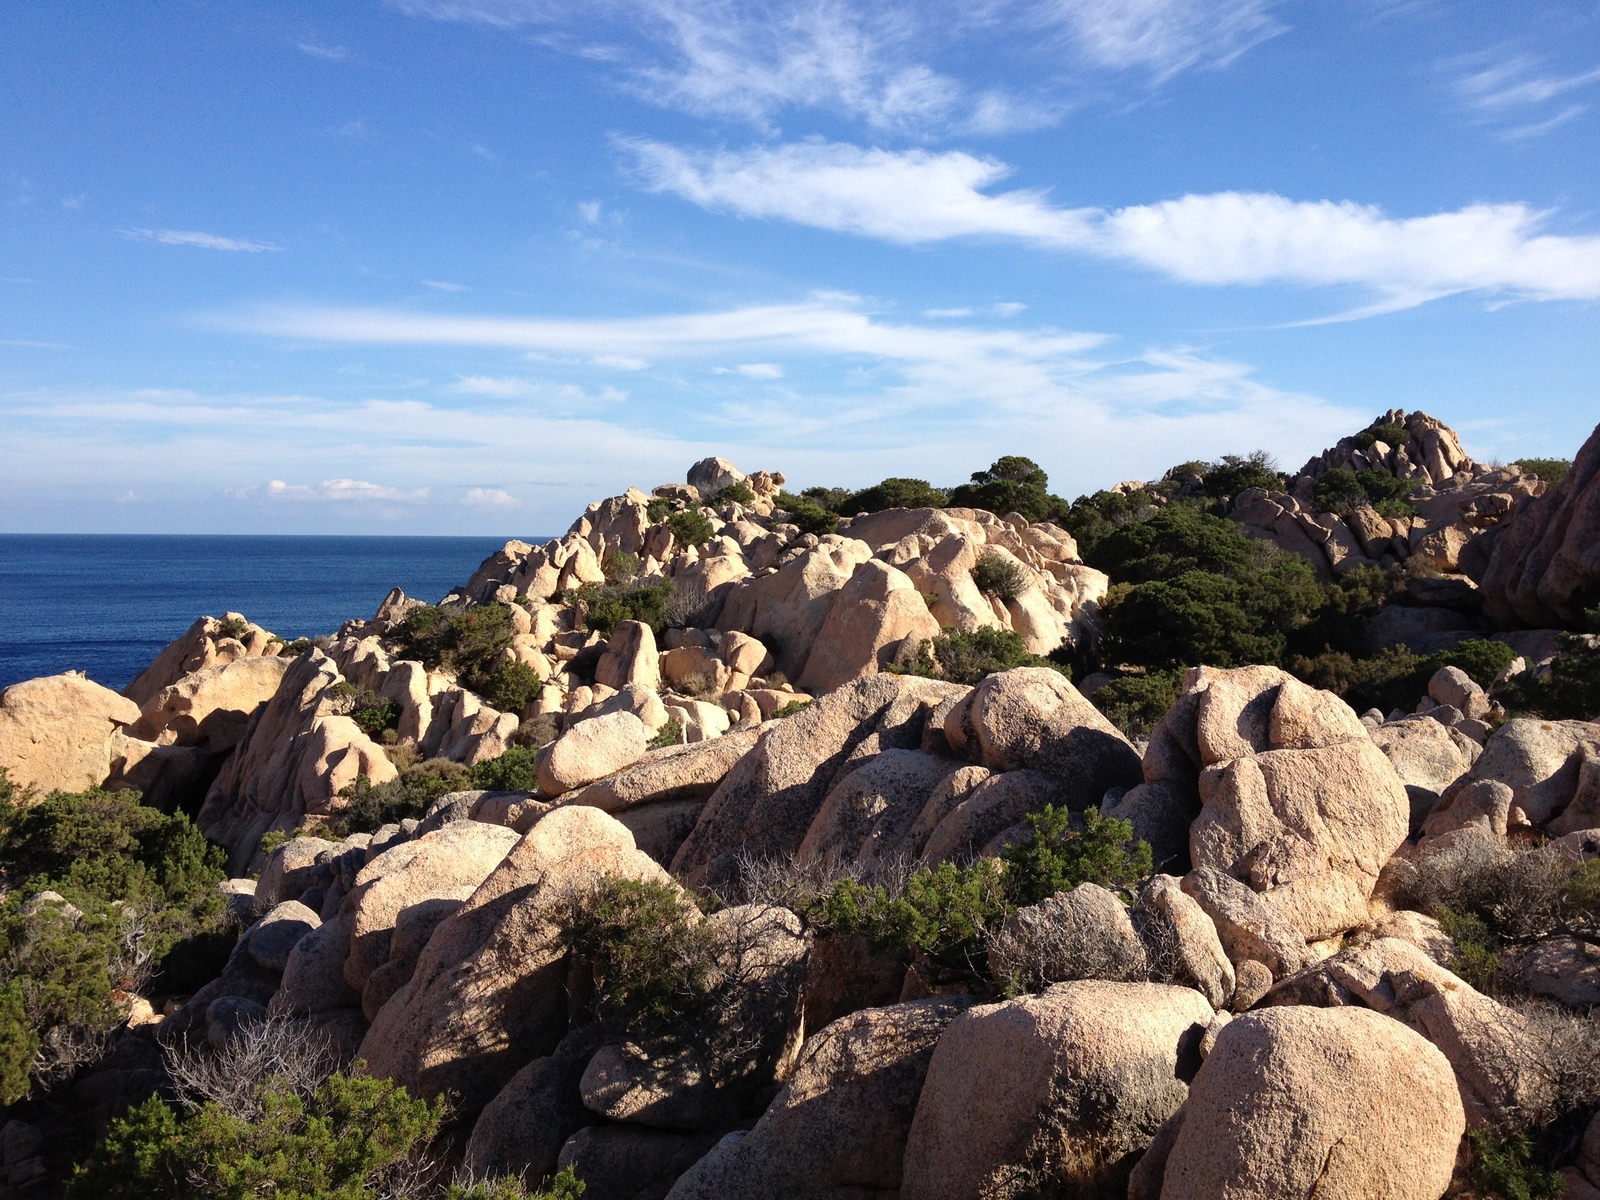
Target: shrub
{"x": 892, "y": 493}
{"x": 1092, "y": 519}
{"x": 1389, "y": 435}
{"x": 295, "y": 648}
{"x": 472, "y": 643}
{"x": 1518, "y": 893}
{"x": 1000, "y": 576}
{"x": 1551, "y": 470}
{"x": 658, "y": 510}
{"x": 831, "y": 499}
{"x": 233, "y": 627}
{"x": 347, "y": 1140}
{"x": 1235, "y": 474}
{"x": 970, "y": 657}
{"x": 511, "y": 686}
{"x": 1062, "y": 851}
{"x": 653, "y": 956}
{"x": 690, "y": 527}
{"x": 1398, "y": 677}
{"x": 1011, "y": 484}
{"x": 1340, "y": 491}
{"x": 734, "y": 493}
{"x": 1503, "y": 1167}
{"x": 372, "y": 712}
{"x": 670, "y": 734}
{"x": 941, "y": 914}
{"x": 789, "y": 709}
{"x": 511, "y": 771}
{"x": 619, "y": 566}
{"x": 809, "y": 515}
{"x": 371, "y": 806}
{"x": 563, "y": 1185}
{"x": 603, "y": 608}
{"x": 1134, "y": 703}
{"x": 142, "y": 910}
{"x": 1571, "y": 688}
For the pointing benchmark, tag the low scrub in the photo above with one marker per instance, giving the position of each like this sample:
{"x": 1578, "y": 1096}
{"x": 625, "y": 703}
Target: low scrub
{"x": 690, "y": 527}
{"x": 603, "y": 608}
{"x": 1570, "y": 690}
{"x": 971, "y": 657}
{"x": 1503, "y": 894}
{"x": 371, "y": 806}
{"x": 1342, "y": 492}
{"x": 1397, "y": 678}
{"x": 1134, "y": 703}
{"x": 1551, "y": 470}
{"x": 139, "y": 913}
{"x": 372, "y": 712}
{"x": 1000, "y": 576}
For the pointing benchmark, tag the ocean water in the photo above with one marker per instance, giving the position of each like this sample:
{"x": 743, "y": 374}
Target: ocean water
{"x": 106, "y": 605}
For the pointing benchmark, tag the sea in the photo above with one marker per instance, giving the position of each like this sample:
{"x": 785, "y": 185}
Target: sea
{"x": 105, "y": 605}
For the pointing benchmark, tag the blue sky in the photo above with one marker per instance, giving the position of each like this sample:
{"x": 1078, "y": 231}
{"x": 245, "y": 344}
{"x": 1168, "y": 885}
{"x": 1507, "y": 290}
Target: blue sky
{"x": 460, "y": 267}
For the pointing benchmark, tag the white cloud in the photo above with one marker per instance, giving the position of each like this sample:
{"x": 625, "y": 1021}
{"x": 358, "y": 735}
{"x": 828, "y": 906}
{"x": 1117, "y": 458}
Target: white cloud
{"x": 514, "y": 387}
{"x": 440, "y": 285}
{"x": 1164, "y": 36}
{"x": 206, "y": 241}
{"x": 481, "y": 497}
{"x": 318, "y": 50}
{"x": 340, "y": 490}
{"x": 943, "y": 314}
{"x": 1226, "y": 238}
{"x": 589, "y": 210}
{"x": 1008, "y": 308}
{"x": 760, "y": 370}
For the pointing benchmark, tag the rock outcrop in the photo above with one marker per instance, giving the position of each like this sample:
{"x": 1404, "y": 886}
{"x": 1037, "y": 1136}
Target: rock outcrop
{"x": 59, "y": 733}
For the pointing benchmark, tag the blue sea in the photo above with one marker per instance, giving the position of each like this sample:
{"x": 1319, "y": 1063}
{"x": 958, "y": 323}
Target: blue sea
{"x": 106, "y": 605}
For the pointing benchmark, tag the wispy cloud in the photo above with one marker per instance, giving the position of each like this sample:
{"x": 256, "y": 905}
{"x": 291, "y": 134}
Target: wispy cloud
{"x": 206, "y": 241}
{"x": 482, "y": 497}
{"x": 1226, "y": 238}
{"x": 1164, "y": 36}
{"x": 337, "y": 490}
{"x": 325, "y": 52}
{"x": 877, "y": 62}
{"x": 442, "y": 285}
{"x": 1516, "y": 90}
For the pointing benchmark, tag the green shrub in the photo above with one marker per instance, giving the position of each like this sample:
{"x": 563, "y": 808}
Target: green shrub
{"x": 810, "y": 516}
{"x": 1176, "y": 540}
{"x": 1235, "y": 474}
{"x": 563, "y": 1185}
{"x": 1398, "y": 677}
{"x": 619, "y": 566}
{"x": 148, "y": 916}
{"x": 1000, "y": 576}
{"x": 232, "y": 627}
{"x": 690, "y": 527}
{"x": 831, "y": 499}
{"x": 1092, "y": 519}
{"x": 1390, "y": 435}
{"x": 1477, "y": 957}
{"x": 658, "y": 510}
{"x": 1551, "y": 470}
{"x": 295, "y": 648}
{"x": 512, "y": 771}
{"x": 1011, "y": 484}
{"x": 1134, "y": 703}
{"x": 734, "y": 493}
{"x": 670, "y": 734}
{"x": 970, "y": 657}
{"x": 1340, "y": 491}
{"x": 654, "y": 958}
{"x": 1063, "y": 851}
{"x": 942, "y": 913}
{"x": 511, "y": 686}
{"x": 372, "y": 712}
{"x": 892, "y": 493}
{"x": 1504, "y": 1167}
{"x": 793, "y": 706}
{"x": 1571, "y": 689}
{"x": 345, "y": 1141}
{"x": 471, "y": 643}
{"x": 371, "y": 806}
{"x": 604, "y": 608}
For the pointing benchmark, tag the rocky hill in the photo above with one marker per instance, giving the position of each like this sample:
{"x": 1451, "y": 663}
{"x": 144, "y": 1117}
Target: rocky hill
{"x": 731, "y": 845}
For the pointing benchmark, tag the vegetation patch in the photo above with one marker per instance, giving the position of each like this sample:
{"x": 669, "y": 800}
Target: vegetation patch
{"x": 603, "y": 608}
{"x": 1342, "y": 492}
{"x": 809, "y": 515}
{"x": 1551, "y": 470}
{"x": 1000, "y": 576}
{"x": 690, "y": 527}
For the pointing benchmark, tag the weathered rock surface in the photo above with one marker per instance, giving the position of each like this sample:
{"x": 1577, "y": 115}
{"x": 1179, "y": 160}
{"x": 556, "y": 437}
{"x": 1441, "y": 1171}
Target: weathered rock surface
{"x": 690, "y": 771}
{"x": 1339, "y": 1103}
{"x": 207, "y": 643}
{"x": 524, "y": 1127}
{"x": 591, "y": 750}
{"x": 1545, "y": 566}
{"x": 211, "y": 707}
{"x": 56, "y": 733}
{"x": 1082, "y": 934}
{"x": 1059, "y": 1091}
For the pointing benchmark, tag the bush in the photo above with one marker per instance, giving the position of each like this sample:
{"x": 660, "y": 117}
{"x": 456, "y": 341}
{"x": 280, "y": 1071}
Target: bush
{"x": 1235, "y": 474}
{"x": 1340, "y": 491}
{"x": 892, "y": 493}
{"x": 471, "y": 643}
{"x": 511, "y": 686}
{"x": 144, "y": 910}
{"x": 941, "y": 914}
{"x": 371, "y": 806}
{"x": 1092, "y": 519}
{"x": 1134, "y": 703}
{"x": 970, "y": 657}
{"x": 1011, "y": 484}
{"x": 1571, "y": 689}
{"x": 232, "y": 627}
{"x": 1063, "y": 851}
{"x": 563, "y": 1185}
{"x": 1518, "y": 893}
{"x": 512, "y": 771}
{"x": 654, "y": 958}
{"x": 1000, "y": 576}
{"x": 810, "y": 516}
{"x": 1551, "y": 470}
{"x": 295, "y": 648}
{"x": 690, "y": 527}
{"x": 619, "y": 566}
{"x": 1397, "y": 678}
{"x": 658, "y": 510}
{"x": 1390, "y": 435}
{"x": 1503, "y": 1167}
{"x": 789, "y": 709}
{"x": 734, "y": 493}
{"x": 603, "y": 608}
{"x": 350, "y": 1139}
{"x": 374, "y": 713}
{"x": 670, "y": 734}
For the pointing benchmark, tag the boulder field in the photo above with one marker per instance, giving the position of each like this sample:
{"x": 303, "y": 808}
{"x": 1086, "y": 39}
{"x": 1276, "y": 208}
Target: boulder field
{"x": 1270, "y": 1010}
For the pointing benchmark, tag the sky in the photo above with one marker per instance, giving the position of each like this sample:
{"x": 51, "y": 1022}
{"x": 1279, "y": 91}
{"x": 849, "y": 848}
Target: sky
{"x": 464, "y": 266}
